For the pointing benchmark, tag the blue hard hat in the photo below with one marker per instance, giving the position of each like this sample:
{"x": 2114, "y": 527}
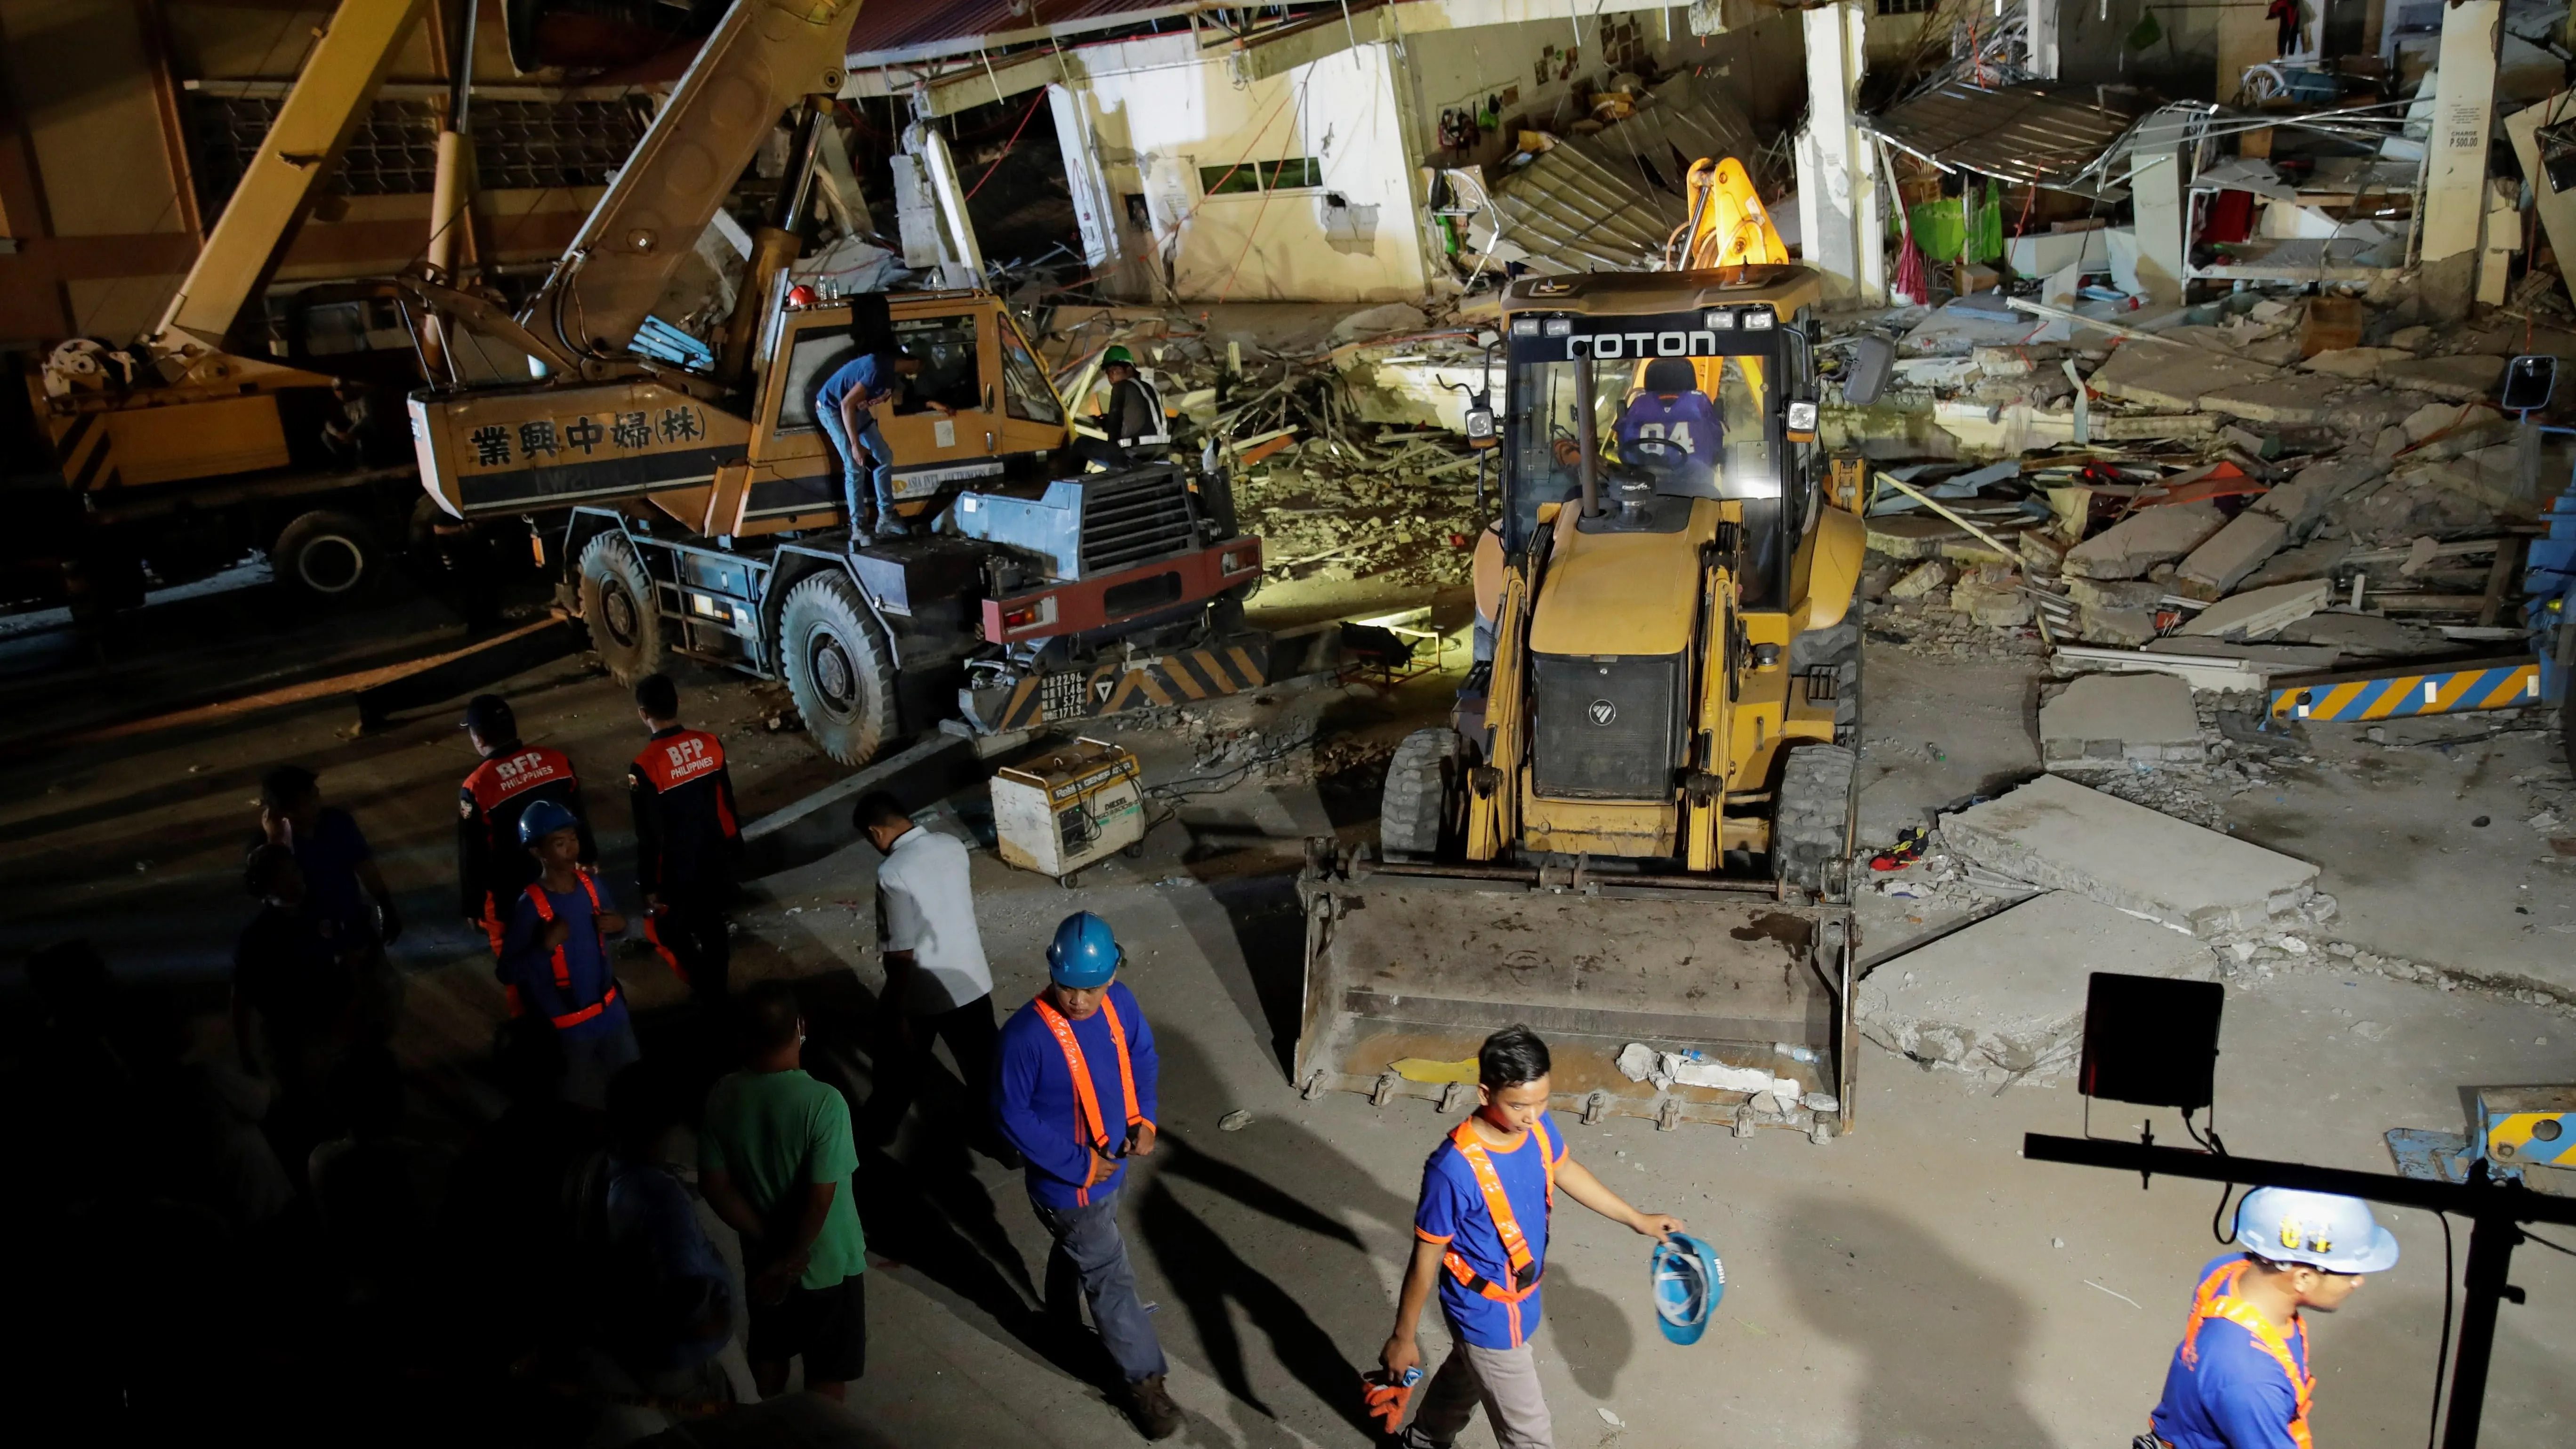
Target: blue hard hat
{"x": 2321, "y": 1229}
{"x": 1688, "y": 1281}
{"x": 1084, "y": 953}
{"x": 543, "y": 818}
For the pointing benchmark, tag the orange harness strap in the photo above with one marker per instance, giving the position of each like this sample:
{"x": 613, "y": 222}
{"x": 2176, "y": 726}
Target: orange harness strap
{"x": 1088, "y": 1125}
{"x": 2207, "y": 1304}
{"x": 1526, "y": 1271}
{"x": 563, "y": 967}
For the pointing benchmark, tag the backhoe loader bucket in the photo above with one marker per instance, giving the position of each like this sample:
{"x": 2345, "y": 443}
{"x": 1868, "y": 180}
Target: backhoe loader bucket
{"x": 1410, "y": 966}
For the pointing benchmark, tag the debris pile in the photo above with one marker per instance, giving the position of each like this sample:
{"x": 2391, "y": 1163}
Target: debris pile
{"x": 1348, "y": 455}
{"x": 2232, "y": 492}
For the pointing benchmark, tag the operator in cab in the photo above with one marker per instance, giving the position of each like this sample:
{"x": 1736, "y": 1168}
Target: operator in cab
{"x": 1132, "y": 418}
{"x": 1671, "y": 417}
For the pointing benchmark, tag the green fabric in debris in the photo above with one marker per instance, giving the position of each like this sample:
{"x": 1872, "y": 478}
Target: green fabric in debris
{"x": 2146, "y": 32}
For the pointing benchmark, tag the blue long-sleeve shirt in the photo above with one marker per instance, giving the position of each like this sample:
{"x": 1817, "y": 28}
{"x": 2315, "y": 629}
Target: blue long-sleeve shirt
{"x": 1034, "y": 1102}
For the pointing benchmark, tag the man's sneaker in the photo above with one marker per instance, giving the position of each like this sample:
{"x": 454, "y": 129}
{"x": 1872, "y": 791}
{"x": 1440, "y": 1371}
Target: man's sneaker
{"x": 890, "y": 526}
{"x": 1156, "y": 1416}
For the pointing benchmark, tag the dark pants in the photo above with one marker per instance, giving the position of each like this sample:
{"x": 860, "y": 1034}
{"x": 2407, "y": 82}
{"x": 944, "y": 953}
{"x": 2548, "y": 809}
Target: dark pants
{"x": 1090, "y": 1249}
{"x": 827, "y": 1327}
{"x": 689, "y": 932}
{"x": 903, "y": 1060}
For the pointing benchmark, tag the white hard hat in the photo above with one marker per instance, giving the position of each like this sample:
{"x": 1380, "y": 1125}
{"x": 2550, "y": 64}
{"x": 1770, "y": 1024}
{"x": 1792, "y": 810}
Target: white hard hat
{"x": 2322, "y": 1229}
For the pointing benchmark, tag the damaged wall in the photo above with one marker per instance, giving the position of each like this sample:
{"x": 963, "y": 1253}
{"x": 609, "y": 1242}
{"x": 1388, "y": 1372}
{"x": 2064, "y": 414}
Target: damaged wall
{"x": 1350, "y": 236}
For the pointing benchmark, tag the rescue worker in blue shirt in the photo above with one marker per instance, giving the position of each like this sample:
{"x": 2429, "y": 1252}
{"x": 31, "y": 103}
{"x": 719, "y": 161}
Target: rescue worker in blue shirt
{"x": 1481, "y": 1233}
{"x": 554, "y": 956}
{"x": 846, "y": 408}
{"x": 1074, "y": 1091}
{"x": 1672, "y": 410}
{"x": 2241, "y": 1378}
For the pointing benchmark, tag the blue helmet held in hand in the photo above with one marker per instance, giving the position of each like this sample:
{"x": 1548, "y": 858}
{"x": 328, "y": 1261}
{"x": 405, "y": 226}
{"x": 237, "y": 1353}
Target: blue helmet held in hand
{"x": 1084, "y": 954}
{"x": 1688, "y": 1282}
{"x": 543, "y": 818}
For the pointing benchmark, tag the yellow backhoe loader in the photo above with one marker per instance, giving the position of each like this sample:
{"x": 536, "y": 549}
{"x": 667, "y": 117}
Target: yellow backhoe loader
{"x": 1649, "y": 808}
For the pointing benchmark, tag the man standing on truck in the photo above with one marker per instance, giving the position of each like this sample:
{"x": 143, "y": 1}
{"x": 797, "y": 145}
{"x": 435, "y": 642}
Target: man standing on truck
{"x": 846, "y": 407}
{"x": 491, "y": 866}
{"x": 686, "y": 841}
{"x": 1480, "y": 1232}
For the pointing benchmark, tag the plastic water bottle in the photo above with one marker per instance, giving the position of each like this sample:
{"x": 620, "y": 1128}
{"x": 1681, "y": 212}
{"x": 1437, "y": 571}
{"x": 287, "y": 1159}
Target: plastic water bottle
{"x": 1795, "y": 1053}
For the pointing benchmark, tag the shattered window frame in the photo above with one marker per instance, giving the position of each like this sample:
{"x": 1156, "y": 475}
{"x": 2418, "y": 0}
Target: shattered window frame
{"x": 1252, "y": 178}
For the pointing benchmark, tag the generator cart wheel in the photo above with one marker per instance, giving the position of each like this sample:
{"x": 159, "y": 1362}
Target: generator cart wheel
{"x": 840, "y": 667}
{"x": 617, "y": 604}
{"x": 1417, "y": 814}
{"x": 326, "y": 555}
{"x": 1811, "y": 834}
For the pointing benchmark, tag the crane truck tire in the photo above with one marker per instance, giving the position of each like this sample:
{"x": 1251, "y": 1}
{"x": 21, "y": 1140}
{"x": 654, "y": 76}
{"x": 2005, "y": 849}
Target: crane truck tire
{"x": 1811, "y": 833}
{"x": 840, "y": 667}
{"x": 327, "y": 556}
{"x": 617, "y": 604}
{"x": 1413, "y": 818}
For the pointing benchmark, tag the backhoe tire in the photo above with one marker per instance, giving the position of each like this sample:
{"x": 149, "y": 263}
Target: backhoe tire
{"x": 839, "y": 666}
{"x": 1835, "y": 650}
{"x": 327, "y": 556}
{"x": 1811, "y": 836}
{"x": 617, "y": 604}
{"x": 1417, "y": 816}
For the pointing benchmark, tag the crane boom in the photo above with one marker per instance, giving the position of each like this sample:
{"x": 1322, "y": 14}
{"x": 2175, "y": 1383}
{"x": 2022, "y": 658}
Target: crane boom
{"x": 763, "y": 56}
{"x": 284, "y": 178}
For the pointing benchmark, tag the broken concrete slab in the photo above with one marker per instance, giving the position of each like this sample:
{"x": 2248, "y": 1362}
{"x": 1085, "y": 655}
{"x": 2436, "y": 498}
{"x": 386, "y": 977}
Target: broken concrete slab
{"x": 2471, "y": 378}
{"x": 2105, "y": 721}
{"x": 2287, "y": 658}
{"x": 2355, "y": 362}
{"x": 1910, "y": 535}
{"x": 2006, "y": 996}
{"x": 2122, "y": 628}
{"x": 2365, "y": 636}
{"x": 2211, "y": 676}
{"x": 2144, "y": 539}
{"x": 2278, "y": 518}
{"x": 2231, "y": 554}
{"x": 1991, "y": 595}
{"x": 2167, "y": 376}
{"x": 2115, "y": 593}
{"x": 2313, "y": 560}
{"x": 2491, "y": 477}
{"x": 2432, "y": 418}
{"x": 2057, "y": 833}
{"x": 1922, "y": 581}
{"x": 2294, "y": 400}
{"x": 2260, "y": 613}
{"x": 2413, "y": 504}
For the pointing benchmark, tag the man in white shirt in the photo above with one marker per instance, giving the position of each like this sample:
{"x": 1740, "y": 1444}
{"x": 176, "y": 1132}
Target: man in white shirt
{"x": 938, "y": 984}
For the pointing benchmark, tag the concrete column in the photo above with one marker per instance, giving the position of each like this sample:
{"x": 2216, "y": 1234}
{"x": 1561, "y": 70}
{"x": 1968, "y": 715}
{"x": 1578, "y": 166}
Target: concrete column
{"x": 2039, "y": 26}
{"x": 1838, "y": 216}
{"x": 1094, "y": 209}
{"x": 2455, "y": 155}
{"x": 2163, "y": 208}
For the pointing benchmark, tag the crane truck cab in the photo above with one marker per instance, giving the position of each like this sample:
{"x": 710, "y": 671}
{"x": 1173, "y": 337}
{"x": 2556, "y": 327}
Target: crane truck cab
{"x": 707, "y": 521}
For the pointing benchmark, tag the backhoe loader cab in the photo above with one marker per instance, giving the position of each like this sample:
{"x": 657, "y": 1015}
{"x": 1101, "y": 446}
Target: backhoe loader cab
{"x": 1654, "y": 795}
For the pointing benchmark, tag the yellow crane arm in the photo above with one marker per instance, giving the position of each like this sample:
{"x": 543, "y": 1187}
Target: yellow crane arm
{"x": 284, "y": 179}
{"x": 762, "y": 59}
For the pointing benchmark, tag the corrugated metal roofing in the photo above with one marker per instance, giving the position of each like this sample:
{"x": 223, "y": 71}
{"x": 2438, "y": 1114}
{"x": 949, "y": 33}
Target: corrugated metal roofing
{"x": 898, "y": 30}
{"x": 1609, "y": 201}
{"x": 2022, "y": 134}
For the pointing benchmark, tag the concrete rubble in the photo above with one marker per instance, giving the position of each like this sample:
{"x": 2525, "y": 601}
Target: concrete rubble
{"x": 2004, "y": 997}
{"x": 2059, "y": 834}
{"x": 2104, "y": 721}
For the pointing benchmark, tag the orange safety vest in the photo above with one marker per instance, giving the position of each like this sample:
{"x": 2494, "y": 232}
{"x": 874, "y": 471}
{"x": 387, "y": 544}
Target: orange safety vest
{"x": 563, "y": 967}
{"x": 1526, "y": 1270}
{"x": 2207, "y": 1304}
{"x": 1086, "y": 1102}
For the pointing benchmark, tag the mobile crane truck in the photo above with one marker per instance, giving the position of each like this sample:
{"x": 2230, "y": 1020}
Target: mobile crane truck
{"x": 704, "y": 503}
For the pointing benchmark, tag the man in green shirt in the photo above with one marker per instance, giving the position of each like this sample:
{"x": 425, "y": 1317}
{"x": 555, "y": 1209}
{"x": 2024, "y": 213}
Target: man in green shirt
{"x": 775, "y": 1161}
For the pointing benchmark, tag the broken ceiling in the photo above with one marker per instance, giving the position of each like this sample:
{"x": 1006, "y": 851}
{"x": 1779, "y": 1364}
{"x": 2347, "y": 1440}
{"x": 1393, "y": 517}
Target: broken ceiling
{"x": 2037, "y": 134}
{"x": 1610, "y": 201}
